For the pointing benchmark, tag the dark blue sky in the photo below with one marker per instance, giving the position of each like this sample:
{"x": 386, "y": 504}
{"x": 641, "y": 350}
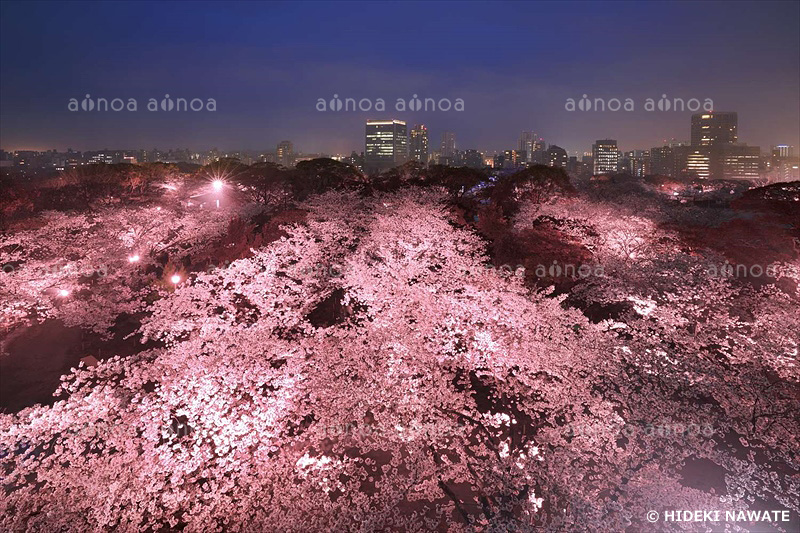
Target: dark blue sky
{"x": 514, "y": 65}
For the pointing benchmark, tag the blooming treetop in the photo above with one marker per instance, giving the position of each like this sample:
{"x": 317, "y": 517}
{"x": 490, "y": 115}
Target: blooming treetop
{"x": 403, "y": 386}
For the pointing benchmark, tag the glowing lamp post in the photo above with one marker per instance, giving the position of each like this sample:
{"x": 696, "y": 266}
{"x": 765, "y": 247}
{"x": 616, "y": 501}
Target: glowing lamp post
{"x": 217, "y": 185}
{"x": 133, "y": 258}
{"x": 175, "y": 279}
{"x": 63, "y": 293}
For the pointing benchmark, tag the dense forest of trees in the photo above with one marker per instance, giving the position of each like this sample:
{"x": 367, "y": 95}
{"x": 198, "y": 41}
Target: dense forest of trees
{"x": 433, "y": 348}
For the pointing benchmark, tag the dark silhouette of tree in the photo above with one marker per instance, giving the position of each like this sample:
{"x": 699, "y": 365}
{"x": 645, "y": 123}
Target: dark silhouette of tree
{"x": 15, "y": 201}
{"x": 266, "y": 183}
{"x": 323, "y": 174}
{"x": 536, "y": 184}
{"x": 410, "y": 173}
{"x": 89, "y": 183}
{"x": 141, "y": 178}
{"x": 457, "y": 180}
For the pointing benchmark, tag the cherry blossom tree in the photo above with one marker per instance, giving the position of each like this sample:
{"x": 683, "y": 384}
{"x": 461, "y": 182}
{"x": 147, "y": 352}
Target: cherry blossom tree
{"x": 367, "y": 371}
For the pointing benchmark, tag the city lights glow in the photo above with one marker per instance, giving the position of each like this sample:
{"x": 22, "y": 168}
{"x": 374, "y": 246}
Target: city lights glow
{"x": 63, "y": 293}
{"x": 133, "y": 258}
{"x": 175, "y": 279}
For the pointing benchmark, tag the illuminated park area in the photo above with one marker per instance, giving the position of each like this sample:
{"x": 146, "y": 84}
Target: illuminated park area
{"x": 414, "y": 343}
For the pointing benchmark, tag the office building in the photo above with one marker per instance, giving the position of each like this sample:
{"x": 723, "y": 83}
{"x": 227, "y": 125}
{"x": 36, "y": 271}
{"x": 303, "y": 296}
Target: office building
{"x": 509, "y": 159}
{"x": 669, "y": 160}
{"x": 578, "y": 169}
{"x": 605, "y": 156}
{"x": 386, "y": 145}
{"x": 284, "y": 154}
{"x": 625, "y": 163}
{"x": 782, "y": 165}
{"x": 715, "y": 152}
{"x": 447, "y": 149}
{"x": 532, "y": 149}
{"x": 782, "y": 151}
{"x": 473, "y": 159}
{"x": 556, "y": 157}
{"x": 714, "y": 129}
{"x": 698, "y": 163}
{"x": 448, "y": 155}
{"x": 739, "y": 161}
{"x": 640, "y": 163}
{"x": 527, "y": 140}
{"x": 418, "y": 144}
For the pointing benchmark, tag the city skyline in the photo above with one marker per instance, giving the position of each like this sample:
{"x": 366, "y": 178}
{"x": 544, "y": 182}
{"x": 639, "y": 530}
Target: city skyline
{"x": 528, "y": 141}
{"x": 266, "y": 84}
{"x": 510, "y": 139}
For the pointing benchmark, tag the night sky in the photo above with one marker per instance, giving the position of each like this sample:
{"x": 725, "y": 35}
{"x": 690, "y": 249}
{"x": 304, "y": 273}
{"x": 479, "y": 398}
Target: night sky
{"x": 514, "y": 65}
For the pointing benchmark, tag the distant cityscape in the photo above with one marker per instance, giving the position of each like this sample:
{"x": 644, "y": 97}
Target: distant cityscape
{"x": 712, "y": 152}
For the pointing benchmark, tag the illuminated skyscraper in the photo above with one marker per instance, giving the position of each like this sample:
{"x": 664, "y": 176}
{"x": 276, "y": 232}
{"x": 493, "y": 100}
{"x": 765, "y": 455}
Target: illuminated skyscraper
{"x": 605, "y": 156}
{"x": 418, "y": 144}
{"x": 508, "y": 159}
{"x": 386, "y": 145}
{"x": 782, "y": 151}
{"x": 713, "y": 129}
{"x": 715, "y": 153}
{"x": 285, "y": 154}
{"x": 448, "y": 147}
{"x": 698, "y": 163}
{"x": 526, "y": 142}
{"x": 739, "y": 161}
{"x": 640, "y": 165}
{"x": 533, "y": 147}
